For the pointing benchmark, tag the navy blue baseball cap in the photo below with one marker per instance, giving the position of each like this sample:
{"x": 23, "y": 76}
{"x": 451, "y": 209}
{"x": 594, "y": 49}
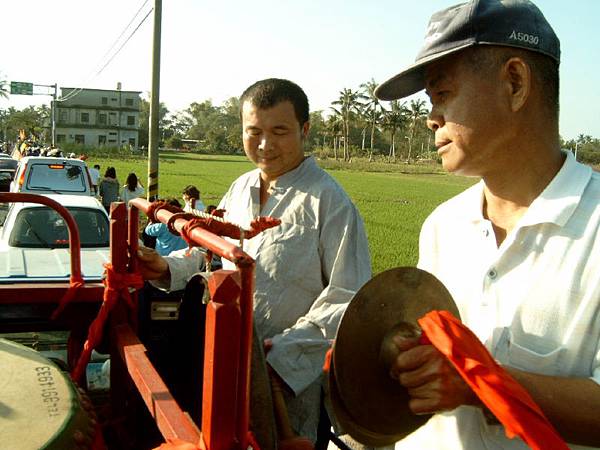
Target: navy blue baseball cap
{"x": 512, "y": 23}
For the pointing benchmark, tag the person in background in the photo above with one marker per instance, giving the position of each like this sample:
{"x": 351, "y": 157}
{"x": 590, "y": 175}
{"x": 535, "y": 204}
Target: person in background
{"x": 94, "y": 177}
{"x": 131, "y": 189}
{"x": 166, "y": 242}
{"x": 519, "y": 250}
{"x": 191, "y": 197}
{"x": 109, "y": 188}
{"x": 211, "y": 208}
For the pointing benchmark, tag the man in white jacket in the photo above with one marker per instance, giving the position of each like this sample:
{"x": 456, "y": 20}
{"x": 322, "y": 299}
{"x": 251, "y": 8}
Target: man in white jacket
{"x": 308, "y": 268}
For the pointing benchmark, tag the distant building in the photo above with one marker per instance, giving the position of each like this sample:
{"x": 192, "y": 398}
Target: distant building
{"x": 98, "y": 117}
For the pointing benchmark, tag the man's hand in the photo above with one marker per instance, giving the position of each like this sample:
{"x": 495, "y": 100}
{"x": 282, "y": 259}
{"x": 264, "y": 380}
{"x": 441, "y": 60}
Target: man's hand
{"x": 151, "y": 265}
{"x": 432, "y": 382}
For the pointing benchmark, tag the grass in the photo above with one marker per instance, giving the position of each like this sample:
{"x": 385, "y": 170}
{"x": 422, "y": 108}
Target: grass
{"x": 393, "y": 200}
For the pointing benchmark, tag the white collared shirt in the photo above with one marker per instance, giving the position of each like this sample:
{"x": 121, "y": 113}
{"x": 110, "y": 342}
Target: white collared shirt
{"x": 307, "y": 270}
{"x": 534, "y": 301}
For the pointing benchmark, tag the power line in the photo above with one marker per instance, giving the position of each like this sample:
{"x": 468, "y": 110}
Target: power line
{"x": 91, "y": 76}
{"x": 123, "y": 32}
{"x": 123, "y": 45}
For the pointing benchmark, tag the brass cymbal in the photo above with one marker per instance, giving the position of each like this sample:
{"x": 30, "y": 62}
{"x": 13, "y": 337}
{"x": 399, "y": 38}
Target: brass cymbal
{"x": 368, "y": 403}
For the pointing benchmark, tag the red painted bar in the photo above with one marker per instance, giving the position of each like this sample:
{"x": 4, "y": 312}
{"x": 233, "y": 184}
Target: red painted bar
{"x": 221, "y": 356}
{"x": 218, "y": 359}
{"x": 74, "y": 242}
{"x": 170, "y": 419}
{"x": 29, "y": 293}
{"x": 133, "y": 220}
{"x": 246, "y": 305}
{"x": 204, "y": 238}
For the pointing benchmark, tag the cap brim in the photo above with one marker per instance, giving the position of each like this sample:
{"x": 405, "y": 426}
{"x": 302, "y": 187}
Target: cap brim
{"x": 412, "y": 79}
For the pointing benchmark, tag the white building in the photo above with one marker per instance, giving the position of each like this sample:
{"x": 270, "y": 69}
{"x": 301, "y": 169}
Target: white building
{"x": 98, "y": 117}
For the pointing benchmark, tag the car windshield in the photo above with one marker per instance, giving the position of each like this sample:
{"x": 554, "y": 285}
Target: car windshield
{"x": 42, "y": 227}
{"x": 63, "y": 177}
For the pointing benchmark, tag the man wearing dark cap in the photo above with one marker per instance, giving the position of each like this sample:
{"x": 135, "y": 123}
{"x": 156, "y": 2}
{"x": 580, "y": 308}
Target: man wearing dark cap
{"x": 520, "y": 250}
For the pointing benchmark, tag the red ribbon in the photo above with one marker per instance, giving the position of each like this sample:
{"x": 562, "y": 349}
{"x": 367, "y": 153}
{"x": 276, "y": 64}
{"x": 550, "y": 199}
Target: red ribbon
{"x": 115, "y": 286}
{"x": 498, "y": 390}
{"x": 68, "y": 297}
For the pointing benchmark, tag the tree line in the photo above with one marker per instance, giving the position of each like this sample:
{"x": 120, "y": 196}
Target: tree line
{"x": 357, "y": 124}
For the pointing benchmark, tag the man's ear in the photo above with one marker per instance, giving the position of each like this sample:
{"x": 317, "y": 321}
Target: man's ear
{"x": 305, "y": 129}
{"x": 519, "y": 82}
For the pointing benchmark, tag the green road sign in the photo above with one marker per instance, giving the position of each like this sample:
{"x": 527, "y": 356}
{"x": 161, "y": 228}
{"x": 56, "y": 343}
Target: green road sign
{"x": 21, "y": 88}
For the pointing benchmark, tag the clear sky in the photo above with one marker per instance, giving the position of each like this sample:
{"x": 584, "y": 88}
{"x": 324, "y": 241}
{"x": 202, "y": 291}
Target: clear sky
{"x": 214, "y": 49}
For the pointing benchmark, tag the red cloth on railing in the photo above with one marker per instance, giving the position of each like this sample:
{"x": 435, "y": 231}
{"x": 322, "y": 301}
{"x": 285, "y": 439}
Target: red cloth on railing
{"x": 69, "y": 295}
{"x": 116, "y": 286}
{"x": 498, "y": 390}
{"x": 160, "y": 204}
{"x": 227, "y": 229}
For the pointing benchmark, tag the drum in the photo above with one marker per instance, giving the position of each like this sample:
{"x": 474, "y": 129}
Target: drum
{"x": 40, "y": 407}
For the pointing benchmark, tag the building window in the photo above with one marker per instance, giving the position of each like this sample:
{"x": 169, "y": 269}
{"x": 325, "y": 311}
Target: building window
{"x": 132, "y": 142}
{"x": 101, "y": 140}
{"x": 114, "y": 99}
{"x": 128, "y": 102}
{"x": 105, "y": 100}
{"x": 85, "y": 117}
{"x": 64, "y": 116}
{"x": 131, "y": 120}
{"x": 102, "y": 119}
{"x": 112, "y": 133}
{"x": 112, "y": 141}
{"x": 80, "y": 139}
{"x": 60, "y": 138}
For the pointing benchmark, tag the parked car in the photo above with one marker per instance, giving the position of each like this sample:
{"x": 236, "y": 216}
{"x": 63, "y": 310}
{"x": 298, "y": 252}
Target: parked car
{"x": 49, "y": 175}
{"x": 34, "y": 241}
{"x": 8, "y": 167}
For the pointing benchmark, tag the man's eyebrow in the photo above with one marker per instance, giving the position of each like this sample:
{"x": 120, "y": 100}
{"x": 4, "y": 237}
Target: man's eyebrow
{"x": 433, "y": 82}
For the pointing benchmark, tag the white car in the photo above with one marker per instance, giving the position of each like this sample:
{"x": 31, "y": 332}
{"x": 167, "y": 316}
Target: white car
{"x": 50, "y": 175}
{"x": 34, "y": 241}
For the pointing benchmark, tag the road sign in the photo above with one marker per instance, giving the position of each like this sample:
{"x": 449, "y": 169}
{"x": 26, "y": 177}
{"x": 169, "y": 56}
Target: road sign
{"x": 21, "y": 88}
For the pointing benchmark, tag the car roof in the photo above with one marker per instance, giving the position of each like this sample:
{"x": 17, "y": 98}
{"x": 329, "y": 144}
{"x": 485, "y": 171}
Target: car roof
{"x": 50, "y": 159}
{"x": 68, "y": 201}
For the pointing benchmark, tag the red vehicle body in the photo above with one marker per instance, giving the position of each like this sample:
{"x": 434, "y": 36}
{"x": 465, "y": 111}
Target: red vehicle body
{"x": 228, "y": 335}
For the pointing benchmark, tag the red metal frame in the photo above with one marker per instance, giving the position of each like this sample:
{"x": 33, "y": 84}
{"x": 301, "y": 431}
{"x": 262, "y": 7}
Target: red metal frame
{"x": 74, "y": 242}
{"x": 228, "y": 339}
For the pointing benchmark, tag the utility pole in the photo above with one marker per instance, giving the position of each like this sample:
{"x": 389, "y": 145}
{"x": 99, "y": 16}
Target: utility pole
{"x": 154, "y": 106}
{"x": 53, "y": 114}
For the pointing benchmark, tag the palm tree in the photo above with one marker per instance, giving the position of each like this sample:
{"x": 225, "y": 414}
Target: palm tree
{"x": 417, "y": 111}
{"x": 373, "y": 109}
{"x": 334, "y": 126}
{"x": 4, "y": 91}
{"x": 393, "y": 120}
{"x": 349, "y": 103}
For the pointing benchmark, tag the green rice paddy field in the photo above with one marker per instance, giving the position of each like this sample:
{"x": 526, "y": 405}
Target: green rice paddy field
{"x": 393, "y": 204}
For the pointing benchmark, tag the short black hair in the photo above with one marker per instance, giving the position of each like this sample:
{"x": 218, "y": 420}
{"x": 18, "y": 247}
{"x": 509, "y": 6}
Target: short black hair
{"x": 191, "y": 191}
{"x": 485, "y": 58}
{"x": 265, "y": 94}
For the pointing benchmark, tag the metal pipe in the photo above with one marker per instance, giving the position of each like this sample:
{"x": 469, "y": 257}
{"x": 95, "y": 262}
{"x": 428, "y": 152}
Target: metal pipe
{"x": 74, "y": 241}
{"x": 204, "y": 238}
